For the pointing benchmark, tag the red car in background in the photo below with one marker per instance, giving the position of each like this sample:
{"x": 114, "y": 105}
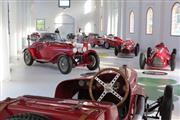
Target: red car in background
{"x": 127, "y": 47}
{"x": 158, "y": 58}
{"x": 111, "y": 94}
{"x": 48, "y": 48}
{"x": 105, "y": 41}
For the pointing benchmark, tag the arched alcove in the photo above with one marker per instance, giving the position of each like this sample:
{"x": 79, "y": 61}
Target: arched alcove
{"x": 65, "y": 23}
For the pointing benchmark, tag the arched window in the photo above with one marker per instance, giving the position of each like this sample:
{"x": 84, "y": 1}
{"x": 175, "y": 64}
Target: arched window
{"x": 131, "y": 22}
{"x": 149, "y": 21}
{"x": 175, "y": 20}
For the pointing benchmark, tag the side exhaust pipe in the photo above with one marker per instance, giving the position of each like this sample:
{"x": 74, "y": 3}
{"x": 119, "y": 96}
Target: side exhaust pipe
{"x": 139, "y": 108}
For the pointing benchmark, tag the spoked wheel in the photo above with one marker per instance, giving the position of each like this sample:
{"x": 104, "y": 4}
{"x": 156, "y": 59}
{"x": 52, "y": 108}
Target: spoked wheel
{"x": 172, "y": 62}
{"x": 65, "y": 64}
{"x": 136, "y": 51}
{"x": 142, "y": 60}
{"x": 149, "y": 51}
{"x": 27, "y": 116}
{"x": 166, "y": 106}
{"x": 92, "y": 45}
{"x": 94, "y": 59}
{"x": 28, "y": 58}
{"x": 106, "y": 45}
{"x": 110, "y": 85}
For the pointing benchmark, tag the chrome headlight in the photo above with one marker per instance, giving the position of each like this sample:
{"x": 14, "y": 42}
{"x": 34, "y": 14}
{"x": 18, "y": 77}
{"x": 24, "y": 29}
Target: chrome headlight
{"x": 75, "y": 50}
{"x": 84, "y": 49}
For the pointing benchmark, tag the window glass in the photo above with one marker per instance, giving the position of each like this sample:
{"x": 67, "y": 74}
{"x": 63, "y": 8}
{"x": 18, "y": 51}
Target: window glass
{"x": 131, "y": 22}
{"x": 149, "y": 22}
{"x": 175, "y": 25}
{"x": 40, "y": 24}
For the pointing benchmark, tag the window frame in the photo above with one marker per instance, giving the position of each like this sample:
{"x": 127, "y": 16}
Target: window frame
{"x": 130, "y": 22}
{"x": 60, "y": 6}
{"x": 171, "y": 19}
{"x": 147, "y": 20}
{"x": 37, "y": 24}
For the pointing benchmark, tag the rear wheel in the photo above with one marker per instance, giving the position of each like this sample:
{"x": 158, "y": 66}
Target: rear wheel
{"x": 94, "y": 58}
{"x": 149, "y": 51}
{"x": 166, "y": 106}
{"x": 27, "y": 116}
{"x": 92, "y": 45}
{"x": 136, "y": 51}
{"x": 172, "y": 62}
{"x": 64, "y": 64}
{"x": 106, "y": 45}
{"x": 142, "y": 61}
{"x": 28, "y": 58}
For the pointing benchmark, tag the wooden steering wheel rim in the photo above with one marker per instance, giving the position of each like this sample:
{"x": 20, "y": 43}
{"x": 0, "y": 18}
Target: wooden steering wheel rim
{"x": 116, "y": 71}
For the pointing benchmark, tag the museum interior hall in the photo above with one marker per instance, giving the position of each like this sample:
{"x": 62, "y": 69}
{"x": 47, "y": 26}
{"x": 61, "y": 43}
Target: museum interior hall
{"x": 89, "y": 59}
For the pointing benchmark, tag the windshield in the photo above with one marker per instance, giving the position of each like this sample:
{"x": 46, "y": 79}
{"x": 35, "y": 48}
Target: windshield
{"x": 50, "y": 37}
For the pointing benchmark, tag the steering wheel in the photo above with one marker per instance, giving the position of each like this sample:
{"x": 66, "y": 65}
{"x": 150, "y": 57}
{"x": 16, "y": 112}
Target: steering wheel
{"x": 114, "y": 86}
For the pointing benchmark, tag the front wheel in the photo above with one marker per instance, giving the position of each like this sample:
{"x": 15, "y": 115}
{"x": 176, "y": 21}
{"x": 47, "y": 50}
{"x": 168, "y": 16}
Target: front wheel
{"x": 166, "y": 106}
{"x": 172, "y": 62}
{"x": 106, "y": 45}
{"x": 28, "y": 58}
{"x": 149, "y": 52}
{"x": 136, "y": 51}
{"x": 142, "y": 60}
{"x": 94, "y": 58}
{"x": 65, "y": 64}
{"x": 116, "y": 50}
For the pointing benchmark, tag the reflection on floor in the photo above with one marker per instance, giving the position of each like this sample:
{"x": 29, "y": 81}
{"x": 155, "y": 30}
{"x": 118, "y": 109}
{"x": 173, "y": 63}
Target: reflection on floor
{"x": 42, "y": 79}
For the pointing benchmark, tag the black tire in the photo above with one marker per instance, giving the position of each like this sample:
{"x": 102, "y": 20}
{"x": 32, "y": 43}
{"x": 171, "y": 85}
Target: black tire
{"x": 27, "y": 116}
{"x": 142, "y": 60}
{"x": 92, "y": 45}
{"x": 64, "y": 64}
{"x": 174, "y": 51}
{"x": 116, "y": 50}
{"x": 95, "y": 62}
{"x": 136, "y": 50}
{"x": 149, "y": 51}
{"x": 166, "y": 106}
{"x": 173, "y": 62}
{"x": 28, "y": 58}
{"x": 106, "y": 45}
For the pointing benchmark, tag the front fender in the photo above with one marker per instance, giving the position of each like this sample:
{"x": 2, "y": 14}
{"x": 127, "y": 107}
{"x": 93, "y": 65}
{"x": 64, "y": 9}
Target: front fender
{"x": 32, "y": 51}
{"x": 90, "y": 52}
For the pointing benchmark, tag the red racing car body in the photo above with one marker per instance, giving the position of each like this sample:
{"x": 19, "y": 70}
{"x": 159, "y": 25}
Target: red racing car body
{"x": 106, "y": 41}
{"x": 158, "y": 58}
{"x": 111, "y": 94}
{"x": 47, "y": 48}
{"x": 128, "y": 47}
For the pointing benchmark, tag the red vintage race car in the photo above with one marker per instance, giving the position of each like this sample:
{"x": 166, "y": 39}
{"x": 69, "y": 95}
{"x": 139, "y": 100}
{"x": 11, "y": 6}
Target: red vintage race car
{"x": 158, "y": 58}
{"x": 110, "y": 94}
{"x": 128, "y": 46}
{"x": 48, "y": 49}
{"x": 105, "y": 41}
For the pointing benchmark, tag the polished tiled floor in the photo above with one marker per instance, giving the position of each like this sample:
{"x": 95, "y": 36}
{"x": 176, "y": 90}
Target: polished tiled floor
{"x": 42, "y": 79}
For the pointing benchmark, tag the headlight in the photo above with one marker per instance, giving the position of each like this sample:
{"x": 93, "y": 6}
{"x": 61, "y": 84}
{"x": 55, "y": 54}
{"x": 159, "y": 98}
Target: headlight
{"x": 74, "y": 44}
{"x": 84, "y": 49}
{"x": 75, "y": 50}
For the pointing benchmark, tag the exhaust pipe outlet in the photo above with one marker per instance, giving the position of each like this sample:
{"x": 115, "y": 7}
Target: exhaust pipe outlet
{"x": 139, "y": 108}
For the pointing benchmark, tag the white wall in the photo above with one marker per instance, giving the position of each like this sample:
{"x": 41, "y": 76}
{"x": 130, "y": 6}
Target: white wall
{"x": 49, "y": 10}
{"x": 161, "y": 22}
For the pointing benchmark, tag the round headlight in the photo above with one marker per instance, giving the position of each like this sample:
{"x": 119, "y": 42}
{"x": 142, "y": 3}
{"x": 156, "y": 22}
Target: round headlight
{"x": 75, "y": 50}
{"x": 84, "y": 49}
{"x": 79, "y": 50}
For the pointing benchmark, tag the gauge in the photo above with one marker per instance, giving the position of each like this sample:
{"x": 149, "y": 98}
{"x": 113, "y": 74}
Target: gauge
{"x": 81, "y": 83}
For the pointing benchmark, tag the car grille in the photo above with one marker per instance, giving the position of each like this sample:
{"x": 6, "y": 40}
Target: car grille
{"x": 125, "y": 51}
{"x": 157, "y": 62}
{"x": 78, "y": 58}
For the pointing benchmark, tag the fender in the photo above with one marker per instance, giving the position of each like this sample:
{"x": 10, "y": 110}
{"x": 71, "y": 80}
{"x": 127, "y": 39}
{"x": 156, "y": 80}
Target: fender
{"x": 90, "y": 51}
{"x": 32, "y": 51}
